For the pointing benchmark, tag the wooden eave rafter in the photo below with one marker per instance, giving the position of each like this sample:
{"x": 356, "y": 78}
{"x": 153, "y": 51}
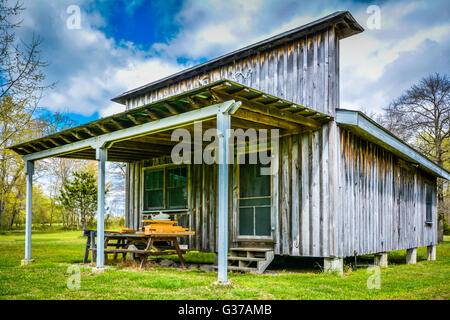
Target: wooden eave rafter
{"x": 258, "y": 108}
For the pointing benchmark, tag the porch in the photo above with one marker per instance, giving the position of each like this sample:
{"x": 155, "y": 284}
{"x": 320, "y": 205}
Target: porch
{"x": 142, "y": 137}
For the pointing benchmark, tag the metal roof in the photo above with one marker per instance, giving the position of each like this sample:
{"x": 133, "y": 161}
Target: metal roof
{"x": 372, "y": 131}
{"x": 346, "y": 24}
{"x": 203, "y": 96}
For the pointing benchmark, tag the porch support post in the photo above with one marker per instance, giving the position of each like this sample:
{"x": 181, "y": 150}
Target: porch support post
{"x": 223, "y": 132}
{"x": 101, "y": 155}
{"x": 29, "y": 171}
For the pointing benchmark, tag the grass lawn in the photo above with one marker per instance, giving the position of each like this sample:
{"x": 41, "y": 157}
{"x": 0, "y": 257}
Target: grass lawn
{"x": 55, "y": 252}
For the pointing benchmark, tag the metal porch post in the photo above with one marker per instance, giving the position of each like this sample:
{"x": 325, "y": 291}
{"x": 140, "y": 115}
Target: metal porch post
{"x": 223, "y": 132}
{"x": 29, "y": 171}
{"x": 101, "y": 155}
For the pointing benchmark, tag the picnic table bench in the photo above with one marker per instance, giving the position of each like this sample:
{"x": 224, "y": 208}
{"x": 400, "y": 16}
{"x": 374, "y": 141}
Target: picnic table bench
{"x": 144, "y": 245}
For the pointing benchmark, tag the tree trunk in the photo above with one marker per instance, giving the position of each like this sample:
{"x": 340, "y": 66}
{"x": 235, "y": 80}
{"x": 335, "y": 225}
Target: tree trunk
{"x": 2, "y": 209}
{"x": 12, "y": 217}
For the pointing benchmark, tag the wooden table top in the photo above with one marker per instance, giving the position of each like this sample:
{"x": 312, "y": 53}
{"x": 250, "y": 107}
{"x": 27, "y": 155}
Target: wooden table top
{"x": 153, "y": 235}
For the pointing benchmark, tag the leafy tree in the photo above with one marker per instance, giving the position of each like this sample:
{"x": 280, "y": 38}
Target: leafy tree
{"x": 79, "y": 195}
{"x": 21, "y": 70}
{"x": 22, "y": 82}
{"x": 421, "y": 116}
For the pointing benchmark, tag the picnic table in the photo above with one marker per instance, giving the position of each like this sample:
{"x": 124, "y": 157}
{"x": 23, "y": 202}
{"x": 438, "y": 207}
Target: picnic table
{"x": 139, "y": 246}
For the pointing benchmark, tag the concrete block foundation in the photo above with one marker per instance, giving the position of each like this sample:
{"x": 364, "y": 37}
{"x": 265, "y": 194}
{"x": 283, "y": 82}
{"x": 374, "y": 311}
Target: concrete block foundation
{"x": 331, "y": 265}
{"x": 381, "y": 259}
{"x": 411, "y": 256}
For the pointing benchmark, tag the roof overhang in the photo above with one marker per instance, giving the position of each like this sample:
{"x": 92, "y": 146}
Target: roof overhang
{"x": 202, "y": 104}
{"x": 365, "y": 127}
{"x": 344, "y": 22}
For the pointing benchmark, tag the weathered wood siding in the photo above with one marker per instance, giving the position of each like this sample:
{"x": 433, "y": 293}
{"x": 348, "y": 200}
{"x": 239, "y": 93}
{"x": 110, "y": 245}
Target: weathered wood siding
{"x": 301, "y": 212}
{"x": 333, "y": 193}
{"x": 304, "y": 71}
{"x": 202, "y": 199}
{"x": 383, "y": 200}
{"x": 302, "y": 188}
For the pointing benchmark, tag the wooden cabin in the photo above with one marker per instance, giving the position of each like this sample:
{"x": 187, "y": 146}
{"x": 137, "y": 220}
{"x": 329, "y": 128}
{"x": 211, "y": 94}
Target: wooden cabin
{"x": 340, "y": 184}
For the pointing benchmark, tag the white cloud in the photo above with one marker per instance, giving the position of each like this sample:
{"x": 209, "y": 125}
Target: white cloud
{"x": 91, "y": 68}
{"x": 88, "y": 67}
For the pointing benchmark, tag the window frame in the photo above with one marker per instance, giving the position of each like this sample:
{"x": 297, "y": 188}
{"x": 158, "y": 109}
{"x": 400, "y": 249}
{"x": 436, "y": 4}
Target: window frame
{"x": 164, "y": 208}
{"x": 236, "y": 230}
{"x": 428, "y": 204}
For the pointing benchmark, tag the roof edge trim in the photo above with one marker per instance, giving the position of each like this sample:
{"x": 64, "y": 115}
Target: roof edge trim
{"x": 359, "y": 120}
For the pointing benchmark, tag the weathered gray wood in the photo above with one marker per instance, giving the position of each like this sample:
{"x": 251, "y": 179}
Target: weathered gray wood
{"x": 284, "y": 214}
{"x": 276, "y": 197}
{"x": 388, "y": 207}
{"x": 315, "y": 194}
{"x": 305, "y": 209}
{"x": 296, "y": 196}
{"x": 304, "y": 71}
{"x": 326, "y": 188}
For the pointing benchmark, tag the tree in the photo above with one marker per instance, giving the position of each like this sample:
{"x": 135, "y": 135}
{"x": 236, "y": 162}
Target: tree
{"x": 55, "y": 170}
{"x": 22, "y": 82}
{"x": 21, "y": 70}
{"x": 12, "y": 182}
{"x": 421, "y": 117}
{"x": 79, "y": 195}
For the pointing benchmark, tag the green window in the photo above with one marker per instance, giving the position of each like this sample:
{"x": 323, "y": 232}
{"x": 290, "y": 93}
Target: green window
{"x": 176, "y": 191}
{"x": 165, "y": 188}
{"x": 429, "y": 202}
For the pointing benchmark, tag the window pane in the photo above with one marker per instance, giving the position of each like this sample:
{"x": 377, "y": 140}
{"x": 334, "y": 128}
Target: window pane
{"x": 428, "y": 203}
{"x": 154, "y": 179}
{"x": 154, "y": 199}
{"x": 176, "y": 192}
{"x": 252, "y": 183}
{"x": 246, "y": 222}
{"x": 153, "y": 189}
{"x": 262, "y": 221}
{"x": 176, "y": 177}
{"x": 176, "y": 198}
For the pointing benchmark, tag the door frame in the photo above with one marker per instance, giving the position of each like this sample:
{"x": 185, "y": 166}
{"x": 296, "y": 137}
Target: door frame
{"x": 235, "y": 189}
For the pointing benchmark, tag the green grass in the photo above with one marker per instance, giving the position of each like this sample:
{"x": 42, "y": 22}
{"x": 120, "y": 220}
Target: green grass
{"x": 55, "y": 252}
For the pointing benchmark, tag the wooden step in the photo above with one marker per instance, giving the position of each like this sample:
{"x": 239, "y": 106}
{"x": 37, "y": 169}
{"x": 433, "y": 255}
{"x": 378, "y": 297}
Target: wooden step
{"x": 243, "y": 269}
{"x": 245, "y": 258}
{"x": 252, "y": 249}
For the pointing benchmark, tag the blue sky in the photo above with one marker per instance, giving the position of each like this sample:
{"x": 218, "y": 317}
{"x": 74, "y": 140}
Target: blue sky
{"x": 123, "y": 44}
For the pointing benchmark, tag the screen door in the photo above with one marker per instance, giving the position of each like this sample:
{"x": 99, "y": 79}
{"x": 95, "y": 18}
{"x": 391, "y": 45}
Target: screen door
{"x": 254, "y": 202}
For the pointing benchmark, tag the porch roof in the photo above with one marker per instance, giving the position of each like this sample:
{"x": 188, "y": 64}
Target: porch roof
{"x": 258, "y": 109}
